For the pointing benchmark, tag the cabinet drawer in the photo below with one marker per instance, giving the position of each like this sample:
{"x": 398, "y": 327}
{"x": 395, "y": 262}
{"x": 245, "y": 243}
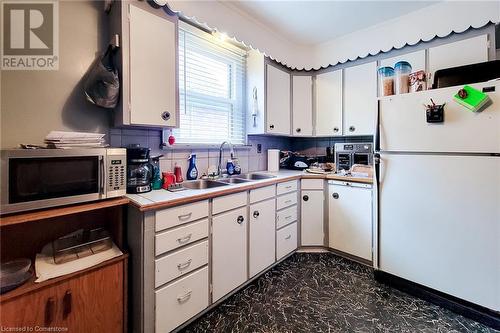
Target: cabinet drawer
{"x": 171, "y": 239}
{"x": 286, "y": 240}
{"x": 286, "y": 216}
{"x": 312, "y": 184}
{"x": 286, "y": 200}
{"x": 286, "y": 187}
{"x": 228, "y": 202}
{"x": 180, "y": 263}
{"x": 181, "y": 300}
{"x": 262, "y": 193}
{"x": 175, "y": 216}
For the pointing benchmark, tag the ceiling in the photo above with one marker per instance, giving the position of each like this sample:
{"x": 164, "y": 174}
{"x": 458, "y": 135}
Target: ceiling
{"x": 313, "y": 22}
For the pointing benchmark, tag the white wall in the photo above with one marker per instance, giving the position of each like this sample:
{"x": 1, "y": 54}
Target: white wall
{"x": 35, "y": 102}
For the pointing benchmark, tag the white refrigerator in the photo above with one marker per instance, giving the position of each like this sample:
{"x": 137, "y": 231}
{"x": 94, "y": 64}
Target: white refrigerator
{"x": 438, "y": 194}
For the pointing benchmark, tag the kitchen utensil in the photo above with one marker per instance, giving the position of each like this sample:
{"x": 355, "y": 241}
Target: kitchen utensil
{"x": 80, "y": 244}
{"x": 402, "y": 70}
{"x": 139, "y": 170}
{"x": 14, "y": 273}
{"x": 386, "y": 81}
{"x": 178, "y": 174}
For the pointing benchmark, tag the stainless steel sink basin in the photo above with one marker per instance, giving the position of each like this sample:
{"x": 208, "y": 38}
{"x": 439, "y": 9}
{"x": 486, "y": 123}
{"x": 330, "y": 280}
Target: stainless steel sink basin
{"x": 233, "y": 180}
{"x": 255, "y": 176}
{"x": 202, "y": 184}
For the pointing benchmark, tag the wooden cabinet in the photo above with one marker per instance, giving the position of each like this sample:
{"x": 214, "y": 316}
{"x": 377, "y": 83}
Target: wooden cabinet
{"x": 464, "y": 52}
{"x": 89, "y": 302}
{"x": 229, "y": 251}
{"x": 360, "y": 99}
{"x": 147, "y": 62}
{"x": 350, "y": 218}
{"x": 329, "y": 104}
{"x": 302, "y": 114}
{"x": 262, "y": 236}
{"x": 277, "y": 100}
{"x": 311, "y": 221}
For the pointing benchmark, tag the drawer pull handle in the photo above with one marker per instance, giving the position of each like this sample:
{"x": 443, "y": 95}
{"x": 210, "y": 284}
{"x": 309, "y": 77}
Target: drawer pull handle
{"x": 288, "y": 217}
{"x": 67, "y": 304}
{"x": 185, "y": 297}
{"x": 184, "y": 265}
{"x": 240, "y": 219}
{"x": 288, "y": 201}
{"x": 288, "y": 237}
{"x": 184, "y": 239}
{"x": 49, "y": 310}
{"x": 288, "y": 187}
{"x": 185, "y": 216}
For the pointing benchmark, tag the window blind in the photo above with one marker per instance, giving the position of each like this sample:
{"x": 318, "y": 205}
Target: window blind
{"x": 211, "y": 89}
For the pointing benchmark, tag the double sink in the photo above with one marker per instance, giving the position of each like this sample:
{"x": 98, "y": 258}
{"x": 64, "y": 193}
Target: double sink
{"x": 202, "y": 184}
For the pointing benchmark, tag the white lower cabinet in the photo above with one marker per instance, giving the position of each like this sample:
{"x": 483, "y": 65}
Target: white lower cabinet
{"x": 286, "y": 240}
{"x": 262, "y": 236}
{"x": 311, "y": 221}
{"x": 181, "y": 300}
{"x": 350, "y": 218}
{"x": 229, "y": 251}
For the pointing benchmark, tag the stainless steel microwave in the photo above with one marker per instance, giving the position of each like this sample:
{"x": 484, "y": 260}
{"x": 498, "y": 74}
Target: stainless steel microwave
{"x": 41, "y": 178}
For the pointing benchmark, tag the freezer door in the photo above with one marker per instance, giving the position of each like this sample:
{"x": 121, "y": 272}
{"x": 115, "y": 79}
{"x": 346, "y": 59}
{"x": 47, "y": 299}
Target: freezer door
{"x": 439, "y": 223}
{"x": 403, "y": 125}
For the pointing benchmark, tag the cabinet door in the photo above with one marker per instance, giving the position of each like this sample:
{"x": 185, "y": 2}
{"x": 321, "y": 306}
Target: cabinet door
{"x": 360, "y": 99}
{"x": 92, "y": 302}
{"x": 302, "y": 106}
{"x": 277, "y": 101}
{"x": 350, "y": 224}
{"x": 464, "y": 52}
{"x": 229, "y": 251}
{"x": 153, "y": 69}
{"x": 312, "y": 231}
{"x": 262, "y": 236}
{"x": 329, "y": 103}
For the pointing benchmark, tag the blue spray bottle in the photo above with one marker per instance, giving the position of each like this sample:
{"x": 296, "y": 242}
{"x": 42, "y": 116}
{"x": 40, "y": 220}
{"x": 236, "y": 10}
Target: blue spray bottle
{"x": 192, "y": 172}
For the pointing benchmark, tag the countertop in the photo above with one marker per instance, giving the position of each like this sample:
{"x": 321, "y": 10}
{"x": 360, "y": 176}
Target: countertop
{"x": 158, "y": 199}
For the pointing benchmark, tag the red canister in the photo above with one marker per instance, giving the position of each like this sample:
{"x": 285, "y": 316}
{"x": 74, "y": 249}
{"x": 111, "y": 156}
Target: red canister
{"x": 178, "y": 174}
{"x": 168, "y": 179}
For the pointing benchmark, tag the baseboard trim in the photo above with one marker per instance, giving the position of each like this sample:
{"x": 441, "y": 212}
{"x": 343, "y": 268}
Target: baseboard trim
{"x": 467, "y": 309}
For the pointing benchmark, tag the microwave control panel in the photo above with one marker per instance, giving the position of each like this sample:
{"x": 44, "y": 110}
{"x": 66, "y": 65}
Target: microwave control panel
{"x": 117, "y": 171}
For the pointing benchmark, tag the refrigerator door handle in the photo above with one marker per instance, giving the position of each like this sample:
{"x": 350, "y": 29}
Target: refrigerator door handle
{"x": 376, "y": 162}
{"x": 376, "y": 142}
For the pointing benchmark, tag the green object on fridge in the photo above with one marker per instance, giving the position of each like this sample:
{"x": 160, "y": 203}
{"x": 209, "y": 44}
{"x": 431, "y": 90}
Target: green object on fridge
{"x": 471, "y": 98}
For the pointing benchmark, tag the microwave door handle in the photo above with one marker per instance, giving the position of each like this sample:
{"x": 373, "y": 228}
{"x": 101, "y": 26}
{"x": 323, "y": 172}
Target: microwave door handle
{"x": 101, "y": 175}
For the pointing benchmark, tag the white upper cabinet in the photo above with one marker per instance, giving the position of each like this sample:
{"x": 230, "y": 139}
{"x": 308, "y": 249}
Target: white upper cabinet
{"x": 302, "y": 124}
{"x": 147, "y": 63}
{"x": 360, "y": 99}
{"x": 255, "y": 93}
{"x": 329, "y": 104}
{"x": 277, "y": 101}
{"x": 416, "y": 60}
{"x": 464, "y": 52}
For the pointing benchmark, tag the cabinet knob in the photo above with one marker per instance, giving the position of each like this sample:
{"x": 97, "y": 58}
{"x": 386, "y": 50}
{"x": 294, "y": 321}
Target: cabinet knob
{"x": 67, "y": 304}
{"x": 305, "y": 197}
{"x": 298, "y": 130}
{"x": 256, "y": 214}
{"x": 335, "y": 195}
{"x": 49, "y": 310}
{"x": 271, "y": 126}
{"x": 352, "y": 129}
{"x": 335, "y": 129}
{"x": 240, "y": 219}
{"x": 165, "y": 115}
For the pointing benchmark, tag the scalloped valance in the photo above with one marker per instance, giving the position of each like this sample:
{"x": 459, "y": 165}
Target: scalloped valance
{"x": 439, "y": 20}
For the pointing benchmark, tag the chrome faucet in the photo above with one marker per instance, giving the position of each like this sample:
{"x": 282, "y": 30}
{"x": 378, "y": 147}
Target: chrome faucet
{"x": 219, "y": 167}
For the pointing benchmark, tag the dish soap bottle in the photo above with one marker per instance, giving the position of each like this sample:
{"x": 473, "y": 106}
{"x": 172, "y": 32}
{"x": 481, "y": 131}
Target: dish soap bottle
{"x": 230, "y": 167}
{"x": 192, "y": 172}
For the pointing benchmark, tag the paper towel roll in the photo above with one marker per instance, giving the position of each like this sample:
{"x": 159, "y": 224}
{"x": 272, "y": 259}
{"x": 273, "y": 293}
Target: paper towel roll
{"x": 273, "y": 160}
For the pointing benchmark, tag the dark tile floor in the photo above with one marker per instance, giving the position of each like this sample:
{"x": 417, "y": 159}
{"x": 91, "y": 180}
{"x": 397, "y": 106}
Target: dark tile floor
{"x": 326, "y": 293}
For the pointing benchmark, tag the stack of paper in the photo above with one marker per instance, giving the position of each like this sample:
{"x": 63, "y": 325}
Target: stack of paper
{"x": 60, "y": 139}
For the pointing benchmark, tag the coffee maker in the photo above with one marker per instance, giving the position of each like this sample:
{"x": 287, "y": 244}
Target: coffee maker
{"x": 139, "y": 170}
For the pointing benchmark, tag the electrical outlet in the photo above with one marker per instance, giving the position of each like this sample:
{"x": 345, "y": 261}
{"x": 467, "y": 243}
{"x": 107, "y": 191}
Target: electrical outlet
{"x": 259, "y": 148}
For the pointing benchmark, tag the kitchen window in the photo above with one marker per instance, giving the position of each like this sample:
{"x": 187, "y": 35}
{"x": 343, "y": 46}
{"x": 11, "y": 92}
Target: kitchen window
{"x": 211, "y": 89}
